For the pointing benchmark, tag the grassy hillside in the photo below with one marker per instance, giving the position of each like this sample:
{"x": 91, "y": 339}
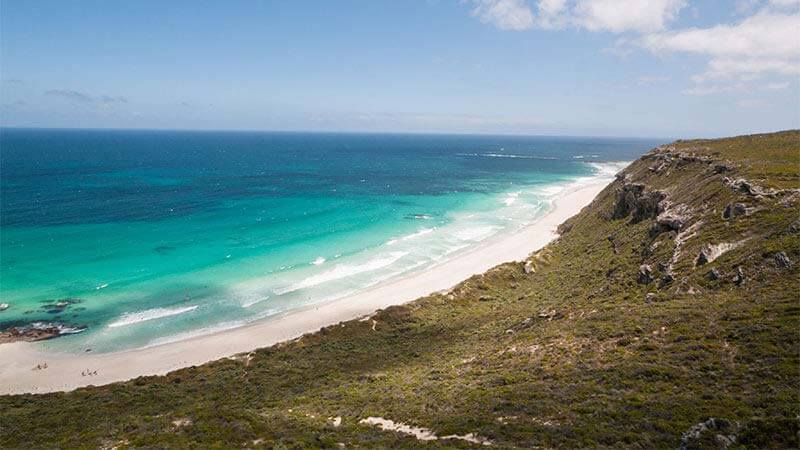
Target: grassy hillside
{"x": 619, "y": 334}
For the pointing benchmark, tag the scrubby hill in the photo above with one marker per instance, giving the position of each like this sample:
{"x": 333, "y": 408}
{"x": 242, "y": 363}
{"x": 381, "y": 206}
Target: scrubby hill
{"x": 666, "y": 315}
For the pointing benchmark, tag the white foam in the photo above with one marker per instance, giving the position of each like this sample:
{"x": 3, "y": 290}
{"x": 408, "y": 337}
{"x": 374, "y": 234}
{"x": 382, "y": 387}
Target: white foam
{"x": 511, "y": 197}
{"x": 506, "y": 155}
{"x": 253, "y": 301}
{"x": 608, "y": 169}
{"x": 195, "y": 333}
{"x": 474, "y": 233}
{"x": 318, "y": 261}
{"x": 552, "y": 190}
{"x": 150, "y": 314}
{"x": 343, "y": 271}
{"x": 419, "y": 233}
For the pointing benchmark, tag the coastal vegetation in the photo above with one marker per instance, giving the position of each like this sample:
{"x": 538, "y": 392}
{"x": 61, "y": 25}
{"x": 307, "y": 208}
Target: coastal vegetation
{"x": 666, "y": 315}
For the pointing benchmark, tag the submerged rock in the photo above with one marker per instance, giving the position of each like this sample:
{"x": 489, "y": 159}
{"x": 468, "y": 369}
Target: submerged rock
{"x": 58, "y": 306}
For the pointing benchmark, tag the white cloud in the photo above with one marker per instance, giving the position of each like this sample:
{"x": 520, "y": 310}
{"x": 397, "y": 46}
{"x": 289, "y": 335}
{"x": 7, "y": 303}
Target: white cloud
{"x": 776, "y": 86}
{"x": 504, "y": 14}
{"x": 616, "y": 16}
{"x": 763, "y": 44}
{"x": 619, "y": 16}
{"x": 552, "y": 13}
{"x": 784, "y": 3}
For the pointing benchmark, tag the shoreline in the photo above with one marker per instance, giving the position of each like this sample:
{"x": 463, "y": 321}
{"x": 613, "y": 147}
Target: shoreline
{"x": 19, "y": 375}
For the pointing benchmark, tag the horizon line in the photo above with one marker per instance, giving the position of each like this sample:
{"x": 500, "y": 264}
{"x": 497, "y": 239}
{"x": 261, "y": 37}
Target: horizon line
{"x": 298, "y": 131}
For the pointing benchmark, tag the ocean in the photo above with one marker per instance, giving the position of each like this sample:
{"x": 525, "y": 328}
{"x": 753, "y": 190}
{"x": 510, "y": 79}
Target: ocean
{"x": 127, "y": 239}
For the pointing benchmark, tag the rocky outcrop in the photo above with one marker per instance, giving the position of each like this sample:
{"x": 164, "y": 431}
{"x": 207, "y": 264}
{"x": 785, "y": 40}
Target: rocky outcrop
{"x": 670, "y": 218}
{"x": 794, "y": 227}
{"x": 738, "y": 279}
{"x": 667, "y": 279}
{"x": 748, "y": 188}
{"x": 536, "y": 261}
{"x": 714, "y": 274}
{"x": 645, "y": 274}
{"x": 529, "y": 268}
{"x": 670, "y": 222}
{"x": 636, "y": 200}
{"x": 783, "y": 260}
{"x": 711, "y": 252}
{"x": 37, "y": 331}
{"x": 721, "y": 168}
{"x": 734, "y": 210}
{"x": 722, "y": 430}
{"x": 658, "y": 168}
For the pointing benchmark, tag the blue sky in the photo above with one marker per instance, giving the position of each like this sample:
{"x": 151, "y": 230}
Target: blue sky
{"x": 663, "y": 68}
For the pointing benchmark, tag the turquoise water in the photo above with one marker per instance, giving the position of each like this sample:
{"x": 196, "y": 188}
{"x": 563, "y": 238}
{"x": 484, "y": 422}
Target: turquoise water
{"x": 134, "y": 238}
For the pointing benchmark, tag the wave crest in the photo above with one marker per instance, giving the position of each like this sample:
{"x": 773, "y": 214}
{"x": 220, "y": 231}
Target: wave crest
{"x": 343, "y": 271}
{"x": 149, "y": 314}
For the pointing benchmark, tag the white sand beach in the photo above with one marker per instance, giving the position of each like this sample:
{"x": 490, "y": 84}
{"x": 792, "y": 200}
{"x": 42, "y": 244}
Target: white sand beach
{"x": 64, "y": 372}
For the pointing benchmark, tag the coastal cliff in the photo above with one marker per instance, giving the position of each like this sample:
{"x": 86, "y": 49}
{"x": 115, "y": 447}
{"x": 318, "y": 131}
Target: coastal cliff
{"x": 666, "y": 315}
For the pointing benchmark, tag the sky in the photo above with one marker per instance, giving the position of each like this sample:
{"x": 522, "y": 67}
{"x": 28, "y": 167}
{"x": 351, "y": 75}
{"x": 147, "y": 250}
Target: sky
{"x": 638, "y": 68}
